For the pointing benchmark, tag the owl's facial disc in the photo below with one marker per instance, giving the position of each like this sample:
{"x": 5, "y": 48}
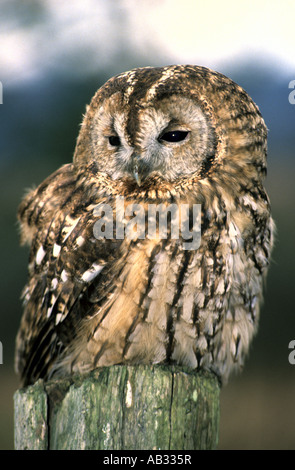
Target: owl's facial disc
{"x": 169, "y": 137}
{"x": 147, "y": 152}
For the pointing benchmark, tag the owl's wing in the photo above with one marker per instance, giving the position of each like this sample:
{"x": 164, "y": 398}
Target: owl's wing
{"x": 65, "y": 270}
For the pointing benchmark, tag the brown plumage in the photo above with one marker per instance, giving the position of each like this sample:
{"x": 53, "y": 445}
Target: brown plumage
{"x": 173, "y": 135}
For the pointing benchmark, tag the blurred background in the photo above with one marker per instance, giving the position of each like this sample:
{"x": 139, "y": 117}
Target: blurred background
{"x": 53, "y": 57}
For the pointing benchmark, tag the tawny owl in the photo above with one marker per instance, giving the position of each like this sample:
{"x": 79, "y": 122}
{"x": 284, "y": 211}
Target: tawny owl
{"x": 175, "y": 136}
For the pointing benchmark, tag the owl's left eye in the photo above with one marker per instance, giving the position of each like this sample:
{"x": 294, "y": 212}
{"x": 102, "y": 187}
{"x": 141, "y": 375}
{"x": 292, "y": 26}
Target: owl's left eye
{"x": 174, "y": 136}
{"x": 114, "y": 141}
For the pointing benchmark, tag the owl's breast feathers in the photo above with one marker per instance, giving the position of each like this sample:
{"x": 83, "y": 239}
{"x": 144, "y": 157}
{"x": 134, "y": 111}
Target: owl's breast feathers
{"x": 93, "y": 302}
{"x": 97, "y": 293}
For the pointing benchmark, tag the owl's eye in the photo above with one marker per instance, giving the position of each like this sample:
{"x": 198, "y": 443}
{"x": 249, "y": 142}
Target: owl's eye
{"x": 114, "y": 141}
{"x": 174, "y": 136}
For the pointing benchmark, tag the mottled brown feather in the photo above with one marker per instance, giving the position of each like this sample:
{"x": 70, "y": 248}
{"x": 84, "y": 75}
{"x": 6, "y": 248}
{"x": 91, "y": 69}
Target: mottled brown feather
{"x": 94, "y": 302}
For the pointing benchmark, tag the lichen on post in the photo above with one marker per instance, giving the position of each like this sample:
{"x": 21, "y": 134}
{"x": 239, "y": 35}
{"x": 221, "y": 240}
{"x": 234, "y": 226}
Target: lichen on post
{"x": 120, "y": 408}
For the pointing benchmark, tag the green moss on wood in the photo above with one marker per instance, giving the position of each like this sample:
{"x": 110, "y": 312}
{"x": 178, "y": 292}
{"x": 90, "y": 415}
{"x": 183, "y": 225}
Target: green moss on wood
{"x": 121, "y": 407}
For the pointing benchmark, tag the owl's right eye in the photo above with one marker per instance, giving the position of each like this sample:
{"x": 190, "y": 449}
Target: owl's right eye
{"x": 174, "y": 136}
{"x": 114, "y": 141}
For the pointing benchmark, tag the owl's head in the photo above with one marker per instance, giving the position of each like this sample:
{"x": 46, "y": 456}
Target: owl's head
{"x": 176, "y": 122}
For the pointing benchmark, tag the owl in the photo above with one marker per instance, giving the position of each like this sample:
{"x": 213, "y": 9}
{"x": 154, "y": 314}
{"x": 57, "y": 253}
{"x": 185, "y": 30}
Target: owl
{"x": 152, "y": 140}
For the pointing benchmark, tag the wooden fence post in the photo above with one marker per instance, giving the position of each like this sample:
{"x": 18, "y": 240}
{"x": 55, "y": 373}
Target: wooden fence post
{"x": 120, "y": 408}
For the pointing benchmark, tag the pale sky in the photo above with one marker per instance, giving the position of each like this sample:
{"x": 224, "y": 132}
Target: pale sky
{"x": 219, "y": 30}
{"x": 207, "y": 32}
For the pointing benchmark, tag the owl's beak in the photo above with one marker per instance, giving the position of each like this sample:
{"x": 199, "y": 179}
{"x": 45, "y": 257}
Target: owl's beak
{"x": 137, "y": 177}
{"x": 135, "y": 170}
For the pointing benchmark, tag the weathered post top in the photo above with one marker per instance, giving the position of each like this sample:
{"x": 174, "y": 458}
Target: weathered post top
{"x": 120, "y": 408}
